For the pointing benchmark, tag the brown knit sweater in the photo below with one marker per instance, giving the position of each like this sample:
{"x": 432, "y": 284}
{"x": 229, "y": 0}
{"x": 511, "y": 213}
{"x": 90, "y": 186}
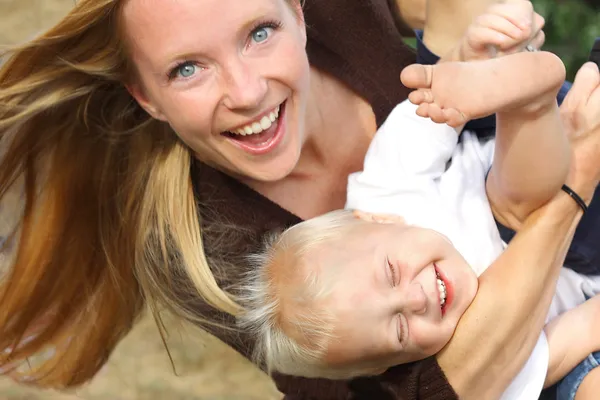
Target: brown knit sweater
{"x": 360, "y": 43}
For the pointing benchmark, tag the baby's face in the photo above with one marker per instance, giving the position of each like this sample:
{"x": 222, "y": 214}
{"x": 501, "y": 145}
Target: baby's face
{"x": 399, "y": 293}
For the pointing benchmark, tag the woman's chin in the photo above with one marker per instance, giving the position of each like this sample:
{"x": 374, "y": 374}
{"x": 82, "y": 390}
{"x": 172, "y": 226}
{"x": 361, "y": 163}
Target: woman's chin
{"x": 273, "y": 170}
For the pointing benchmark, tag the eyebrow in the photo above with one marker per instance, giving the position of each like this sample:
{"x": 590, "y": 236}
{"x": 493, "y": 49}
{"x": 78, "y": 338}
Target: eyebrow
{"x": 245, "y": 28}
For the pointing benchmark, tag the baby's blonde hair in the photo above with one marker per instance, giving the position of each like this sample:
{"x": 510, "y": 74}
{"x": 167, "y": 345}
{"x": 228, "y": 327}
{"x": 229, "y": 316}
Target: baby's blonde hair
{"x": 281, "y": 296}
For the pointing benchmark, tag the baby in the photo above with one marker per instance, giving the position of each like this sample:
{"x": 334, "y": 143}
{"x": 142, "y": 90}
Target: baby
{"x": 352, "y": 293}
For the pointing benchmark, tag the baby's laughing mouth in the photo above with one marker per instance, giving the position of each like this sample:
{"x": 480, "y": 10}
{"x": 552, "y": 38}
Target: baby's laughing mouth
{"x": 441, "y": 288}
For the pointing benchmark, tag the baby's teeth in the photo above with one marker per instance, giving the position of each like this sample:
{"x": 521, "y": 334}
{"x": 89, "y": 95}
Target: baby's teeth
{"x": 256, "y": 128}
{"x": 272, "y": 117}
{"x": 248, "y": 130}
{"x": 442, "y": 289}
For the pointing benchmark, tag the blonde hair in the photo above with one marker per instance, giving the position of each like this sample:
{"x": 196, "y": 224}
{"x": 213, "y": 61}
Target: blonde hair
{"x": 108, "y": 218}
{"x": 281, "y": 296}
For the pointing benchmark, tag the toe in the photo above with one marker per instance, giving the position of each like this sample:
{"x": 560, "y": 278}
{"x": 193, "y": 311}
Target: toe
{"x": 421, "y": 96}
{"x": 436, "y": 114}
{"x": 454, "y": 118}
{"x": 417, "y": 76}
{"x": 423, "y": 110}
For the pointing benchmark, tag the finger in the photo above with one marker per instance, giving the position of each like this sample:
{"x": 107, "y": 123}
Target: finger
{"x": 479, "y": 38}
{"x": 502, "y": 25}
{"x": 538, "y": 40}
{"x": 582, "y": 100}
{"x": 592, "y": 109}
{"x": 538, "y": 22}
{"x": 586, "y": 81}
{"x": 520, "y": 13}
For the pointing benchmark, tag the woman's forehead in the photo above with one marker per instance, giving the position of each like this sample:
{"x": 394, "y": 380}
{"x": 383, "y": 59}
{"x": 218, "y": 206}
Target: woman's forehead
{"x": 178, "y": 26}
{"x": 209, "y": 14}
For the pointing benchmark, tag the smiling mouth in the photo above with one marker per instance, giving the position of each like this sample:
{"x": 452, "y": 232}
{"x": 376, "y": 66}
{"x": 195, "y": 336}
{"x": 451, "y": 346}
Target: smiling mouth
{"x": 442, "y": 290}
{"x": 258, "y": 134}
{"x": 258, "y": 127}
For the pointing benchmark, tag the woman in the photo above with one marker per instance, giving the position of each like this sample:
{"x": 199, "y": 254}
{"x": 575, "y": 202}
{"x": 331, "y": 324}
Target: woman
{"x": 112, "y": 194}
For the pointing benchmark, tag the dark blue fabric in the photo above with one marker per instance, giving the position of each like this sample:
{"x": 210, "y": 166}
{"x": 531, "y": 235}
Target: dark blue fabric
{"x": 584, "y": 253}
{"x": 595, "y": 53}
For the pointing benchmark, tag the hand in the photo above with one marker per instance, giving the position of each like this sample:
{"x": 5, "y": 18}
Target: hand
{"x": 505, "y": 28}
{"x": 580, "y": 113}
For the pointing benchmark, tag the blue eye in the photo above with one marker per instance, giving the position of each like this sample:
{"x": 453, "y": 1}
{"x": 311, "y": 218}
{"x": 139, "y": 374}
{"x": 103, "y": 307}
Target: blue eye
{"x": 261, "y": 34}
{"x": 186, "y": 70}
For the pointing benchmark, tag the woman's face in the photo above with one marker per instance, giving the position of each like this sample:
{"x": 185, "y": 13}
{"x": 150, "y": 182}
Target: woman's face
{"x": 230, "y": 76}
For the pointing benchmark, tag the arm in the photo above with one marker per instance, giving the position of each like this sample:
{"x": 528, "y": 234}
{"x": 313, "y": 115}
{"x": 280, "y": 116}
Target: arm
{"x": 484, "y": 356}
{"x": 404, "y": 160}
{"x": 531, "y": 159}
{"x": 566, "y": 351}
{"x": 494, "y": 338}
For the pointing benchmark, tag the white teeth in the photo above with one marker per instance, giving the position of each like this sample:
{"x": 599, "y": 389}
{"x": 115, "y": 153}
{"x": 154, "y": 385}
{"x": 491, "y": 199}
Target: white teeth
{"x": 442, "y": 290}
{"x": 257, "y": 127}
{"x": 265, "y": 123}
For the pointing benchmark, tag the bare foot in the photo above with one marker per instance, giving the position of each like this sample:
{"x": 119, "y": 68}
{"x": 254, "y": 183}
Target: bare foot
{"x": 455, "y": 92}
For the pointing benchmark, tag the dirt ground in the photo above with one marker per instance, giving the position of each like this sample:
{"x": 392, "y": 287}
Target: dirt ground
{"x": 140, "y": 368}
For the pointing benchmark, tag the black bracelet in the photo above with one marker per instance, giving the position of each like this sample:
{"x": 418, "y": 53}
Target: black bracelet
{"x": 575, "y": 197}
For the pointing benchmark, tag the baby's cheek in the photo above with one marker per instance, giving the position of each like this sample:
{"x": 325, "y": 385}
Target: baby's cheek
{"x": 431, "y": 339}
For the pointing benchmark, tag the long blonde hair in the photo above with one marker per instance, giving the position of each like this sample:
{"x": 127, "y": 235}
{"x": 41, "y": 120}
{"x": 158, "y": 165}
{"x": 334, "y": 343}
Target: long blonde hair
{"x": 108, "y": 217}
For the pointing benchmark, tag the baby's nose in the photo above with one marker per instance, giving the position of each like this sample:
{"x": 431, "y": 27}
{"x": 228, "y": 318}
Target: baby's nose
{"x": 416, "y": 301}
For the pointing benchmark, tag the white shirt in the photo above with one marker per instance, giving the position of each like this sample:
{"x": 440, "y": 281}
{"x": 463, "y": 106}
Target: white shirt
{"x": 420, "y": 170}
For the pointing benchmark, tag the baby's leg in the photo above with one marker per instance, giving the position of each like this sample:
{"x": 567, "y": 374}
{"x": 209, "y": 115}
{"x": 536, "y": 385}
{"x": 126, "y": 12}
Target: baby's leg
{"x": 532, "y": 151}
{"x": 567, "y": 351}
{"x": 455, "y": 92}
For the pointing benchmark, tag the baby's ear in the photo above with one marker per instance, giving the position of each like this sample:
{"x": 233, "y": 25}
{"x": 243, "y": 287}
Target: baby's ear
{"x": 378, "y": 218}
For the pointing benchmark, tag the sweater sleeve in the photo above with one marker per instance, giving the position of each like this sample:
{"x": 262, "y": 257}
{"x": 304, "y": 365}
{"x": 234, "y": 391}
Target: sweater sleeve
{"x": 423, "y": 380}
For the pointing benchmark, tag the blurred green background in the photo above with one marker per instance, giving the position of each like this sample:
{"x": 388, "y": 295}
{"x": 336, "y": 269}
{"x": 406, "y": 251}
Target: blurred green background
{"x": 571, "y": 27}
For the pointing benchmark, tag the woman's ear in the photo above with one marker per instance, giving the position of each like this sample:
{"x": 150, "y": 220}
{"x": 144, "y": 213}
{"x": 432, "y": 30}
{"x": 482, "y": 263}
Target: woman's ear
{"x": 138, "y": 93}
{"x": 379, "y": 218}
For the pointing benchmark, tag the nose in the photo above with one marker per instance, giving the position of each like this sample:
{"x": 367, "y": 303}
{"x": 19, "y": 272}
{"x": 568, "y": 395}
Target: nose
{"x": 245, "y": 87}
{"x": 416, "y": 299}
